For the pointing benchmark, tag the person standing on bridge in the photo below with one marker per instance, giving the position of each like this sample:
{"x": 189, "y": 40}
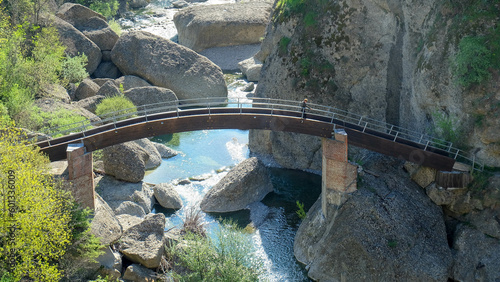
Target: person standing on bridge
{"x": 304, "y": 106}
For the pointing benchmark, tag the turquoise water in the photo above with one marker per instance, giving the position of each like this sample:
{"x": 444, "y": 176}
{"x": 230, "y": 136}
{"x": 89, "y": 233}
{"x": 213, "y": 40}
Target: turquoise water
{"x": 212, "y": 153}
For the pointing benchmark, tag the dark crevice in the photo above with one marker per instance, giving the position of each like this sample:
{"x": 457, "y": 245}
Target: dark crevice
{"x": 395, "y": 77}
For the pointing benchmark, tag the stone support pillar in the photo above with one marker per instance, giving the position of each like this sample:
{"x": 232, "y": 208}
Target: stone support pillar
{"x": 339, "y": 177}
{"x": 81, "y": 175}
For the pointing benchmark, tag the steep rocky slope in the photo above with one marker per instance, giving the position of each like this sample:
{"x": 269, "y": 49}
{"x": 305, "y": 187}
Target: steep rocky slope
{"x": 388, "y": 60}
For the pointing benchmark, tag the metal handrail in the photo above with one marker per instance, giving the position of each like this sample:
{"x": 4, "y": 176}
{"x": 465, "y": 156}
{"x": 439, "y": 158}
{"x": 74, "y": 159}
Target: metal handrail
{"x": 275, "y": 107}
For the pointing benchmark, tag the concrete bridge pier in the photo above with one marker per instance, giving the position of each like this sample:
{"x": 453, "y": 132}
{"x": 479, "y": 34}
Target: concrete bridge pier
{"x": 339, "y": 177}
{"x": 81, "y": 175}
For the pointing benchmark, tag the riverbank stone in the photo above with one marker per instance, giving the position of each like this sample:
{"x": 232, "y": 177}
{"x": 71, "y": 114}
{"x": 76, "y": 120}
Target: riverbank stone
{"x": 167, "y": 64}
{"x": 151, "y": 95}
{"x": 246, "y": 183}
{"x": 116, "y": 192}
{"x": 144, "y": 243}
{"x": 167, "y": 196}
{"x": 104, "y": 224}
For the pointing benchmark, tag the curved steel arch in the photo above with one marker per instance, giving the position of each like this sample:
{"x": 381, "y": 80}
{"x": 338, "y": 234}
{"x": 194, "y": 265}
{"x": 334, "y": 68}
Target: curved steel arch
{"x": 267, "y": 118}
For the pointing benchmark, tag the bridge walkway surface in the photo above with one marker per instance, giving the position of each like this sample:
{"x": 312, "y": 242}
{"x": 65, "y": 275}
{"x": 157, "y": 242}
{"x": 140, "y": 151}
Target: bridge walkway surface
{"x": 256, "y": 113}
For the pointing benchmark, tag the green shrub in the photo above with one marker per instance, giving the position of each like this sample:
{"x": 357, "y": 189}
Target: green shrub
{"x": 300, "y": 210}
{"x": 446, "y": 127}
{"x": 283, "y": 45}
{"x": 58, "y": 120}
{"x": 114, "y": 104}
{"x": 473, "y": 61}
{"x": 106, "y": 8}
{"x": 310, "y": 19}
{"x": 227, "y": 257}
{"x": 115, "y": 26}
{"x": 73, "y": 69}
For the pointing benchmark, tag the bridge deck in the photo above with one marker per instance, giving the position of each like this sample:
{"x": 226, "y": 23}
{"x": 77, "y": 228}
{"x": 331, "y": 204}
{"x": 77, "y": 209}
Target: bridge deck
{"x": 249, "y": 118}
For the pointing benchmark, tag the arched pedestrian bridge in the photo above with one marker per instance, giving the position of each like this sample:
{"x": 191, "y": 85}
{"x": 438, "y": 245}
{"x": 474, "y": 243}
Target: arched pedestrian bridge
{"x": 256, "y": 113}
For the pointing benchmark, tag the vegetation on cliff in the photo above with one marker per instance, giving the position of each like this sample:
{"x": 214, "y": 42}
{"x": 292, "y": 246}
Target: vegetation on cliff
{"x": 478, "y": 32}
{"x": 31, "y": 58}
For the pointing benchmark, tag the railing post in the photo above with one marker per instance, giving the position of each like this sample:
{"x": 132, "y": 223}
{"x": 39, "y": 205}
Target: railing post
{"x": 359, "y": 123}
{"x": 83, "y": 128}
{"x": 425, "y": 149}
{"x": 390, "y": 131}
{"x": 145, "y": 112}
{"x": 333, "y": 117}
{"x": 396, "y": 137}
{"x": 177, "y": 107}
{"x": 366, "y": 123}
{"x": 421, "y": 137}
{"x": 449, "y": 147}
{"x": 456, "y": 154}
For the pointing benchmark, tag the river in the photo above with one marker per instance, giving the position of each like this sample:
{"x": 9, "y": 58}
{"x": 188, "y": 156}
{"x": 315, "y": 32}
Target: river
{"x": 211, "y": 153}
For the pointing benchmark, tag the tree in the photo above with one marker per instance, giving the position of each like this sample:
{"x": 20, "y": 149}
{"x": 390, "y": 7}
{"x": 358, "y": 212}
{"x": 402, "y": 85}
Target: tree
{"x": 34, "y": 218}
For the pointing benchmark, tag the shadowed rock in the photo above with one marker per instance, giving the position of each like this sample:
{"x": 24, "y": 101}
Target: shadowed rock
{"x": 248, "y": 182}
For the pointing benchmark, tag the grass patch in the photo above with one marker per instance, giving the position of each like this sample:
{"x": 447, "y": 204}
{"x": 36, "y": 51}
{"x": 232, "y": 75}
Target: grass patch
{"x": 115, "y": 26}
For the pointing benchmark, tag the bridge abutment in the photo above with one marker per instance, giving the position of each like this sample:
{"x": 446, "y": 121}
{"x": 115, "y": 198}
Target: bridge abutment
{"x": 339, "y": 177}
{"x": 81, "y": 175}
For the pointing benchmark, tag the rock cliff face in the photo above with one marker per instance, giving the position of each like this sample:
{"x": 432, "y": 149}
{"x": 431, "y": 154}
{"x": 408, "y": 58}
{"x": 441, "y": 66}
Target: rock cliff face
{"x": 384, "y": 59}
{"x": 386, "y": 230}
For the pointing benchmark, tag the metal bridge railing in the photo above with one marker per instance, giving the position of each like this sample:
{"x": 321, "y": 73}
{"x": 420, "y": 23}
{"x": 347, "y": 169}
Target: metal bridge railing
{"x": 273, "y": 106}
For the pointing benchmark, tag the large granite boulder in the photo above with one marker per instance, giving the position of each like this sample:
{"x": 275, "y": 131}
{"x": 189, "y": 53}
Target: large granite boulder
{"x": 98, "y": 30}
{"x": 169, "y": 65}
{"x": 154, "y": 159}
{"x": 55, "y": 91}
{"x": 251, "y": 68}
{"x": 107, "y": 70}
{"x": 246, "y": 183}
{"x": 476, "y": 254}
{"x": 205, "y": 26}
{"x": 109, "y": 89}
{"x": 90, "y": 103}
{"x": 127, "y": 221}
{"x": 131, "y": 81}
{"x": 119, "y": 194}
{"x": 128, "y": 161}
{"x": 125, "y": 161}
{"x": 150, "y": 95}
{"x": 90, "y": 23}
{"x": 87, "y": 88}
{"x": 167, "y": 196}
{"x": 77, "y": 43}
{"x": 77, "y": 15}
{"x": 386, "y": 230}
{"x": 144, "y": 243}
{"x": 105, "y": 225}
